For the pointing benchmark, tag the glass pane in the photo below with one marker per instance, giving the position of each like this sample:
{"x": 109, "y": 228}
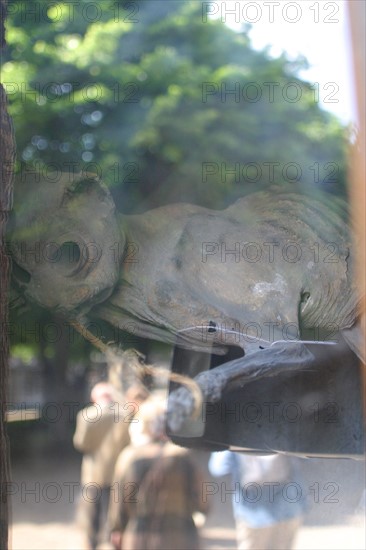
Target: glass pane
{"x": 184, "y": 200}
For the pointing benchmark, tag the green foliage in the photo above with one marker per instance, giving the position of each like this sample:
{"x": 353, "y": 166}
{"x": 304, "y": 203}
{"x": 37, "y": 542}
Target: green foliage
{"x": 137, "y": 97}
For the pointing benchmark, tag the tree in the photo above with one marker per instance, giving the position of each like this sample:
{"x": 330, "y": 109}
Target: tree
{"x": 165, "y": 106}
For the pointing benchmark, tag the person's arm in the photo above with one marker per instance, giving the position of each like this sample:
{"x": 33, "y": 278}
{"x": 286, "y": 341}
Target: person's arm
{"x": 92, "y": 424}
{"x": 220, "y": 463}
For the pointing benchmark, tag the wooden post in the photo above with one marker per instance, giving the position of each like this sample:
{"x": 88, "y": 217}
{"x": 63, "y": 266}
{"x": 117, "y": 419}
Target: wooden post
{"x": 7, "y": 156}
{"x": 357, "y": 11}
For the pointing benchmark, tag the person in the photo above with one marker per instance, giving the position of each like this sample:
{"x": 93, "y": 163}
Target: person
{"x": 268, "y": 502}
{"x": 101, "y": 433}
{"x": 159, "y": 489}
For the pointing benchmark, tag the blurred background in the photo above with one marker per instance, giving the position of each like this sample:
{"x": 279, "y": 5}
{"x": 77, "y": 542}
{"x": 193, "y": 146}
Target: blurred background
{"x": 168, "y": 101}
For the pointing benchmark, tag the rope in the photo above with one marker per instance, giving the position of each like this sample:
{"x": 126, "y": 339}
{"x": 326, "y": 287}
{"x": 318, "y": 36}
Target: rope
{"x": 135, "y": 359}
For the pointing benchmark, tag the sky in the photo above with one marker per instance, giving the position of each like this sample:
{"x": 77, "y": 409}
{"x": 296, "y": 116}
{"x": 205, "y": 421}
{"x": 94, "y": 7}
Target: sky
{"x": 317, "y": 30}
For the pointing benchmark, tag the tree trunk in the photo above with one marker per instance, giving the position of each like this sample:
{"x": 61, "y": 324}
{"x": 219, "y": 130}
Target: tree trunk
{"x": 7, "y": 155}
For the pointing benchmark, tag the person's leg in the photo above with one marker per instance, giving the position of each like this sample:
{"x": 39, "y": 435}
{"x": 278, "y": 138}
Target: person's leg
{"x": 283, "y": 536}
{"x": 249, "y": 538}
{"x": 91, "y": 515}
{"x": 279, "y": 536}
{"x": 88, "y": 522}
{"x": 103, "y": 534}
